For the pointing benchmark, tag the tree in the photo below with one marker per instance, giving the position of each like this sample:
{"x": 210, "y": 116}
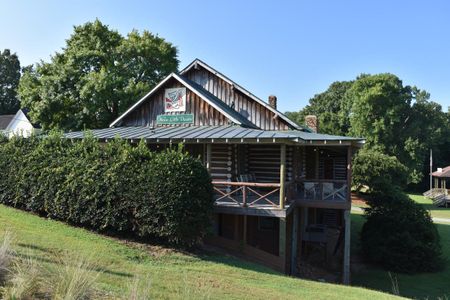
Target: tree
{"x": 96, "y": 77}
{"x": 9, "y": 81}
{"x": 400, "y": 235}
{"x": 379, "y": 110}
{"x": 395, "y": 119}
{"x": 377, "y": 170}
{"x": 329, "y": 108}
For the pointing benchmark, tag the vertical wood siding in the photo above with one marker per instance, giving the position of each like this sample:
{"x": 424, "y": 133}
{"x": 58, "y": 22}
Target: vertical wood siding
{"x": 243, "y": 104}
{"x": 204, "y": 114}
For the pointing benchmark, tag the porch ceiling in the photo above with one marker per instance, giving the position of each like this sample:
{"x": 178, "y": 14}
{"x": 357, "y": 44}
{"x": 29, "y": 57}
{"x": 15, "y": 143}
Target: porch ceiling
{"x": 211, "y": 134}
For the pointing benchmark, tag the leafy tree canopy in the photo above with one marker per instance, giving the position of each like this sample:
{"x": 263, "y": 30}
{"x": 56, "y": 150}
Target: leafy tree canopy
{"x": 377, "y": 170}
{"x": 395, "y": 119}
{"x": 96, "y": 77}
{"x": 9, "y": 81}
{"x": 329, "y": 108}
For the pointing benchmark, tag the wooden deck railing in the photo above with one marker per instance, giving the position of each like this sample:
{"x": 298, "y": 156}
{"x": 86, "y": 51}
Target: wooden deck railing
{"x": 267, "y": 195}
{"x": 250, "y": 194}
{"x": 323, "y": 190}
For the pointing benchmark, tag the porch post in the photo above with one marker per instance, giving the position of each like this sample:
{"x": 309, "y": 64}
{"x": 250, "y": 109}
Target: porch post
{"x": 244, "y": 233}
{"x": 208, "y": 157}
{"x": 349, "y": 174}
{"x": 282, "y": 174}
{"x": 294, "y": 242}
{"x": 282, "y": 242}
{"x": 346, "y": 265}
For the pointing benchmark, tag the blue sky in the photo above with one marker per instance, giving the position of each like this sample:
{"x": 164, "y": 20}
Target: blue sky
{"x": 293, "y": 49}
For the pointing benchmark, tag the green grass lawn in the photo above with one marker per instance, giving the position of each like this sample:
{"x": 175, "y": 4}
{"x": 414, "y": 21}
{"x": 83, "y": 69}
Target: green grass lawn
{"x": 437, "y": 212}
{"x": 425, "y": 286}
{"x": 171, "y": 274}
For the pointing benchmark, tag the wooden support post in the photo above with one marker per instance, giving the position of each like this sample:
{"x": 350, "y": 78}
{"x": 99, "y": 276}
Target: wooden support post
{"x": 316, "y": 164}
{"x": 346, "y": 264}
{"x": 303, "y": 224}
{"x": 236, "y": 228}
{"x": 208, "y": 157}
{"x": 349, "y": 174}
{"x": 282, "y": 174}
{"x": 282, "y": 242}
{"x": 294, "y": 242}
{"x": 244, "y": 234}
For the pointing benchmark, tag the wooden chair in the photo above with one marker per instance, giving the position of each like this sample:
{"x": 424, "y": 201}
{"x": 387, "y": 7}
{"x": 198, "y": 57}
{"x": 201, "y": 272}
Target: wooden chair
{"x": 309, "y": 188}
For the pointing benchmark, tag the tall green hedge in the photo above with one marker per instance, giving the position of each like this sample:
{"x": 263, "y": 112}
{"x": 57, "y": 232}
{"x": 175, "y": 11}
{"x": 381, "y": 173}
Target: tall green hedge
{"x": 400, "y": 235}
{"x": 108, "y": 187}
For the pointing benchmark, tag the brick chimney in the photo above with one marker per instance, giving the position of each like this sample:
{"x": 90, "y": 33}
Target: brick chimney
{"x": 312, "y": 122}
{"x": 273, "y": 101}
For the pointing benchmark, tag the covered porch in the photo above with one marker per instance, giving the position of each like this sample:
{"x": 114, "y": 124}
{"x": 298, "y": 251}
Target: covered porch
{"x": 272, "y": 179}
{"x": 439, "y": 192}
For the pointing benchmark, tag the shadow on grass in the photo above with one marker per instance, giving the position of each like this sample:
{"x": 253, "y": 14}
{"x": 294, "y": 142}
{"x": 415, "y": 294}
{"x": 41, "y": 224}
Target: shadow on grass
{"x": 58, "y": 257}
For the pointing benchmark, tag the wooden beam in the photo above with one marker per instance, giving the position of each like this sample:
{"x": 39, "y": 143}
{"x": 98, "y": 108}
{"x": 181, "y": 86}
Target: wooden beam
{"x": 349, "y": 174}
{"x": 244, "y": 235}
{"x": 282, "y": 174}
{"x": 316, "y": 163}
{"x": 294, "y": 243}
{"x": 346, "y": 264}
{"x": 236, "y": 228}
{"x": 208, "y": 157}
{"x": 282, "y": 241}
{"x": 303, "y": 224}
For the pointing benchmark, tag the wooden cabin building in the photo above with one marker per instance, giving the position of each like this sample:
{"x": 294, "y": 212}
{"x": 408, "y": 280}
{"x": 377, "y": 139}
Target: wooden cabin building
{"x": 282, "y": 191}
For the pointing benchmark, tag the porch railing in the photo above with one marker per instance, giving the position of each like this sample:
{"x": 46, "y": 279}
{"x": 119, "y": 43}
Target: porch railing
{"x": 267, "y": 195}
{"x": 323, "y": 190}
{"x": 435, "y": 192}
{"x": 250, "y": 194}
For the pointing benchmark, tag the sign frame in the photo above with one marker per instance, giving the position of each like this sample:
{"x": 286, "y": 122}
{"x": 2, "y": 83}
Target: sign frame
{"x": 175, "y": 99}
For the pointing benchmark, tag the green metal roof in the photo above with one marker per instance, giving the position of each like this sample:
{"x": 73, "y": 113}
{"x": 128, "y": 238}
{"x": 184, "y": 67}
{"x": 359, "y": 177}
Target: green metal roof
{"x": 208, "y": 134}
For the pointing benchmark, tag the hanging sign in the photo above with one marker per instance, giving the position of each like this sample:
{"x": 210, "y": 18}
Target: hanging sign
{"x": 175, "y": 119}
{"x": 175, "y": 100}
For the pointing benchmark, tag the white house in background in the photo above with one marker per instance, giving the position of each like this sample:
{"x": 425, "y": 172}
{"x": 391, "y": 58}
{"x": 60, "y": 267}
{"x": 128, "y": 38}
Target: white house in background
{"x": 20, "y": 124}
{"x": 4, "y": 122}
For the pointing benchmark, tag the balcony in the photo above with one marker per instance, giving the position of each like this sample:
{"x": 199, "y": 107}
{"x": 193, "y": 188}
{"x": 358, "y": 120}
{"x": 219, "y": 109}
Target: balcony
{"x": 266, "y": 196}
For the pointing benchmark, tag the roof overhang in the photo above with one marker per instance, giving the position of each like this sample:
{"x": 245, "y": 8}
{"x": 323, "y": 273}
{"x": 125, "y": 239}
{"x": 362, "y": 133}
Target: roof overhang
{"x": 213, "y": 134}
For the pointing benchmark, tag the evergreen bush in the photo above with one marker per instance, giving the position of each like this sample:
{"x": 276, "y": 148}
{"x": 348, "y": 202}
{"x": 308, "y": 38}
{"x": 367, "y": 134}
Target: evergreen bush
{"x": 400, "y": 235}
{"x": 108, "y": 187}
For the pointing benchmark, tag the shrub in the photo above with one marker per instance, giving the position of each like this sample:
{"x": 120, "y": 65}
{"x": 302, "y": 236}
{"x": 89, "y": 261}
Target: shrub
{"x": 377, "y": 170}
{"x": 175, "y": 195}
{"x": 114, "y": 187}
{"x": 399, "y": 234}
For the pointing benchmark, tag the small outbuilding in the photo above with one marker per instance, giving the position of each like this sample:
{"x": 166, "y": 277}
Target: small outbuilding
{"x": 439, "y": 192}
